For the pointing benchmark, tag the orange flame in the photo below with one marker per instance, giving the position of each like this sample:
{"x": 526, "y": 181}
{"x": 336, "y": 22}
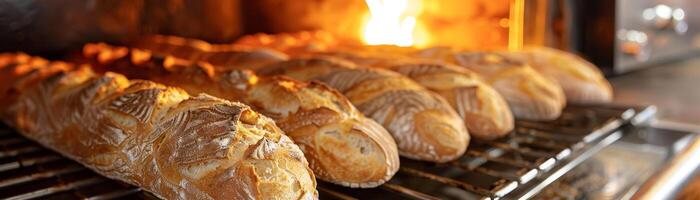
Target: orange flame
{"x": 390, "y": 23}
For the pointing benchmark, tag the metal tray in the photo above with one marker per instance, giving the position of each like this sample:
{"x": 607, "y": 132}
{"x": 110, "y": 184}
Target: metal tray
{"x": 517, "y": 166}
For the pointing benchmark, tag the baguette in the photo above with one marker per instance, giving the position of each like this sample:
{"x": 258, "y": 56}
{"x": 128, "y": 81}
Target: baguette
{"x": 334, "y": 136}
{"x": 226, "y": 57}
{"x": 290, "y": 43}
{"x": 159, "y": 138}
{"x": 581, "y": 81}
{"x": 484, "y": 112}
{"x": 422, "y": 123}
{"x": 529, "y": 94}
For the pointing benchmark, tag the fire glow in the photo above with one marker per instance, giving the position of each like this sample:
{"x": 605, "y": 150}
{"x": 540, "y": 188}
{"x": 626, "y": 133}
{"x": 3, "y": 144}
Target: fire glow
{"x": 390, "y": 23}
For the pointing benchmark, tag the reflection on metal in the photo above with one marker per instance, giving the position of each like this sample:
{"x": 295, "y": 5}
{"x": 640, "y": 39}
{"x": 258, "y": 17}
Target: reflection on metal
{"x": 570, "y": 165}
{"x": 644, "y": 116}
{"x": 517, "y": 166}
{"x": 669, "y": 180}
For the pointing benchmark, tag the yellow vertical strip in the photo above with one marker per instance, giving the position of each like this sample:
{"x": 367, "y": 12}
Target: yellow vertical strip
{"x": 540, "y": 23}
{"x": 516, "y": 23}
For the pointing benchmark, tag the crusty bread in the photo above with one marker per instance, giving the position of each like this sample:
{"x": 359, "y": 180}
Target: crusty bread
{"x": 290, "y": 43}
{"x": 483, "y": 110}
{"x": 402, "y": 106}
{"x": 485, "y": 113}
{"x": 226, "y": 57}
{"x": 335, "y": 137}
{"x": 581, "y": 80}
{"x": 159, "y": 138}
{"x": 422, "y": 123}
{"x": 541, "y": 101}
{"x": 18, "y": 71}
{"x": 529, "y": 94}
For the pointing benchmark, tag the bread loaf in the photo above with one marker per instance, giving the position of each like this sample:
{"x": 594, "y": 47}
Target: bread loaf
{"x": 334, "y": 136}
{"x": 156, "y": 137}
{"x": 290, "y": 43}
{"x": 226, "y": 57}
{"x": 529, "y": 94}
{"x": 581, "y": 81}
{"x": 533, "y": 98}
{"x": 422, "y": 123}
{"x": 406, "y": 109}
{"x": 484, "y": 112}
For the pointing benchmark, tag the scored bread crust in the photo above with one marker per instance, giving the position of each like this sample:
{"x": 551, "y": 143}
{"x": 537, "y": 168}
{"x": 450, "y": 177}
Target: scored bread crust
{"x": 581, "y": 81}
{"x": 159, "y": 138}
{"x": 423, "y": 124}
{"x": 530, "y": 95}
{"x": 225, "y": 57}
{"x": 334, "y": 135}
{"x": 484, "y": 112}
{"x": 290, "y": 43}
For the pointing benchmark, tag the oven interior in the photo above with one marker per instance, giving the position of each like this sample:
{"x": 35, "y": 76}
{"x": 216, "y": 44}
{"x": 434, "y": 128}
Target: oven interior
{"x": 535, "y": 155}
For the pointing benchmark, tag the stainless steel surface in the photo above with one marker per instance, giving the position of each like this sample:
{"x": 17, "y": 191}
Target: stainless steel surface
{"x": 552, "y": 133}
{"x": 613, "y": 173}
{"x": 670, "y": 30}
{"x": 672, "y": 87}
{"x": 671, "y": 178}
{"x": 506, "y": 167}
{"x": 547, "y": 180}
{"x": 622, "y": 169}
{"x": 634, "y": 43}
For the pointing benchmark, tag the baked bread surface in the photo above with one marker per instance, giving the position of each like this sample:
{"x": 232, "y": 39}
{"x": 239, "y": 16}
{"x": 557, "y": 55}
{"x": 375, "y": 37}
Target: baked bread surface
{"x": 581, "y": 81}
{"x": 484, "y": 112}
{"x": 423, "y": 124}
{"x": 529, "y": 94}
{"x": 334, "y": 136}
{"x": 156, "y": 137}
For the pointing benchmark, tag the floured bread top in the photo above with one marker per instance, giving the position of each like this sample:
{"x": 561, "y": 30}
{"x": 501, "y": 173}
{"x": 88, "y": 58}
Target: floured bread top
{"x": 330, "y": 130}
{"x": 529, "y": 94}
{"x": 226, "y": 57}
{"x": 334, "y": 136}
{"x": 161, "y": 139}
{"x": 582, "y": 81}
{"x": 483, "y": 110}
{"x": 422, "y": 123}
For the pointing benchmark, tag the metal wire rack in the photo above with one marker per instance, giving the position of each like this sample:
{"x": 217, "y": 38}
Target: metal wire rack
{"x": 488, "y": 170}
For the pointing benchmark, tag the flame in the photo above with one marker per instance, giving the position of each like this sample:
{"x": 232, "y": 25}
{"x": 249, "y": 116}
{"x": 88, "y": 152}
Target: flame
{"x": 390, "y": 23}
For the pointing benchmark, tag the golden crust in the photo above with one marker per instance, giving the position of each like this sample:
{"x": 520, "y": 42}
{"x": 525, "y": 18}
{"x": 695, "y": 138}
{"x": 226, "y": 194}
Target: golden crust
{"x": 581, "y": 81}
{"x": 226, "y": 57}
{"x": 290, "y": 43}
{"x": 529, "y": 94}
{"x": 422, "y": 123}
{"x": 161, "y": 139}
{"x": 334, "y": 136}
{"x": 483, "y": 110}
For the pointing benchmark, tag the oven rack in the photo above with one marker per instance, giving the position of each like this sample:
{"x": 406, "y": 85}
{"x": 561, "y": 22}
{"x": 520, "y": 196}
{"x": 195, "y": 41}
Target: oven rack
{"x": 506, "y": 167}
